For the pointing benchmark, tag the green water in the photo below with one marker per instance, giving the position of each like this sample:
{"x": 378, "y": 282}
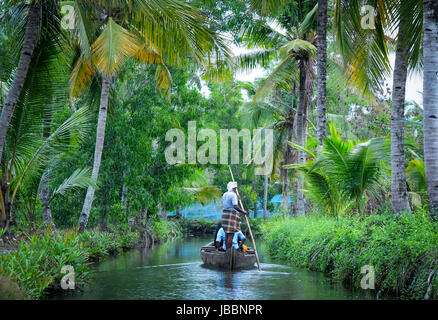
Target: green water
{"x": 175, "y": 271}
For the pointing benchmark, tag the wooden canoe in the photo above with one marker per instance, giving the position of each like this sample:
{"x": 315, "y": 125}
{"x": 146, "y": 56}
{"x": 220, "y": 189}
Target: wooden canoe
{"x": 231, "y": 259}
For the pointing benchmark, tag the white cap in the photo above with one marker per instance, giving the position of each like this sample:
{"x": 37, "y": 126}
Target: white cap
{"x": 231, "y": 185}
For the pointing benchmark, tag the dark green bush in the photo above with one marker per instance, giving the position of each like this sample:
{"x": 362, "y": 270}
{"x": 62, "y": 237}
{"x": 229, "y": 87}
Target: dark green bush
{"x": 403, "y": 249}
{"x": 198, "y": 226}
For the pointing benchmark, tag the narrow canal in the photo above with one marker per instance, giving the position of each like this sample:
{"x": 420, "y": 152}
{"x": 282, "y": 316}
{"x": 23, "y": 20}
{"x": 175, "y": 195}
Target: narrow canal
{"x": 174, "y": 270}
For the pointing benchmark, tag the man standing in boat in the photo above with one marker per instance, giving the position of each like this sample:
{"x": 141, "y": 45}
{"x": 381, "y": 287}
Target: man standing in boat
{"x": 230, "y": 216}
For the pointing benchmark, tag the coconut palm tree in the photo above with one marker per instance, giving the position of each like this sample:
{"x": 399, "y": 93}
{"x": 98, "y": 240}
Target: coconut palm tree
{"x": 163, "y": 32}
{"x": 343, "y": 172}
{"x": 30, "y": 40}
{"x": 365, "y": 52}
{"x": 321, "y": 107}
{"x": 33, "y": 140}
{"x": 280, "y": 120}
{"x": 430, "y": 102}
{"x": 295, "y": 50}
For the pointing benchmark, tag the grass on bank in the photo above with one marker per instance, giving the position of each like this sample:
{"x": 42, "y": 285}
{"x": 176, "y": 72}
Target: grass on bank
{"x": 33, "y": 270}
{"x": 403, "y": 249}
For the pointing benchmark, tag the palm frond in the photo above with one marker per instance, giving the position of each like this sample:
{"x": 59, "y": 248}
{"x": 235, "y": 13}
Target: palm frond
{"x": 416, "y": 175}
{"x": 267, "y": 7}
{"x": 298, "y": 47}
{"x": 283, "y": 75}
{"x": 206, "y": 194}
{"x": 113, "y": 47}
{"x": 79, "y": 179}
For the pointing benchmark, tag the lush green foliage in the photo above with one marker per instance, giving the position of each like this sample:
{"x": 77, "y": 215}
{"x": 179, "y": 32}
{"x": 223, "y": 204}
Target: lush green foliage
{"x": 166, "y": 230}
{"x": 36, "y": 265}
{"x": 48, "y": 141}
{"x": 402, "y": 249}
{"x": 343, "y": 173}
{"x": 198, "y": 226}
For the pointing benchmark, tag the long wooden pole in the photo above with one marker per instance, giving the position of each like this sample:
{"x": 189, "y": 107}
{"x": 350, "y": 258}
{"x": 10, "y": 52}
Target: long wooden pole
{"x": 247, "y": 222}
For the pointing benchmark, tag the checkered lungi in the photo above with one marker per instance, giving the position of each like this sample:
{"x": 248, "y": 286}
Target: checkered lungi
{"x": 230, "y": 221}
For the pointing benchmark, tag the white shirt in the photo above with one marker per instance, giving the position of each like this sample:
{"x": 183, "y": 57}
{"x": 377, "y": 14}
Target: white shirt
{"x": 229, "y": 200}
{"x": 237, "y": 236}
{"x": 221, "y": 237}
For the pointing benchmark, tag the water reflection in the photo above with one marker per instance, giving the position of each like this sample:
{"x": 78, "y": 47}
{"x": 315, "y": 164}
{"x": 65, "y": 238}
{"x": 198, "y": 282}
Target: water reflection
{"x": 175, "y": 271}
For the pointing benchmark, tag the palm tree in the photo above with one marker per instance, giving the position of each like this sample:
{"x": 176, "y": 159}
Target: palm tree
{"x": 30, "y": 40}
{"x": 399, "y": 190}
{"x": 321, "y": 107}
{"x": 33, "y": 140}
{"x": 343, "y": 172}
{"x": 306, "y": 91}
{"x": 365, "y": 53}
{"x": 295, "y": 49}
{"x": 430, "y": 102}
{"x": 280, "y": 119}
{"x": 165, "y": 32}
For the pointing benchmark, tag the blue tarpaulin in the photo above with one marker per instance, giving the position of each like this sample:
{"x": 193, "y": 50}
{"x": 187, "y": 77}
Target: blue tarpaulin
{"x": 213, "y": 211}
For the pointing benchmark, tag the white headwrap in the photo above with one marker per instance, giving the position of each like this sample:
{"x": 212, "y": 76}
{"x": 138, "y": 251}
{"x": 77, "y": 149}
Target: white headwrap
{"x": 231, "y": 185}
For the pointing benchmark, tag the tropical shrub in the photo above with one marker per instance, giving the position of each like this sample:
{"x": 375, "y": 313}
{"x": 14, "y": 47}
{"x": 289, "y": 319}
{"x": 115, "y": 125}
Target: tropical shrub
{"x": 100, "y": 244}
{"x": 36, "y": 265}
{"x": 403, "y": 249}
{"x": 165, "y": 229}
{"x": 343, "y": 173}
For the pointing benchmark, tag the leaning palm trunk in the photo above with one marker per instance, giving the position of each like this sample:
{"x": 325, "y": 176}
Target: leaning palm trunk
{"x": 306, "y": 90}
{"x": 399, "y": 192}
{"x": 30, "y": 40}
{"x": 430, "y": 101}
{"x": 322, "y": 70}
{"x": 100, "y": 136}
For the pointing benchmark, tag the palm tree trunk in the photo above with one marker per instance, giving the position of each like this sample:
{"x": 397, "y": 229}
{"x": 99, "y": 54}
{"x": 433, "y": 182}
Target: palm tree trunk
{"x": 288, "y": 160}
{"x": 265, "y": 198}
{"x": 47, "y": 212}
{"x": 300, "y": 123}
{"x": 45, "y": 192}
{"x": 100, "y": 136}
{"x": 399, "y": 192}
{"x": 30, "y": 40}
{"x": 306, "y": 90}
{"x": 430, "y": 102}
{"x": 322, "y": 70}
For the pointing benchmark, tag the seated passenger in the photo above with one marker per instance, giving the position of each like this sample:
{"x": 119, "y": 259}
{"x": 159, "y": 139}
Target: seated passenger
{"x": 220, "y": 240}
{"x": 238, "y": 240}
{"x": 218, "y": 226}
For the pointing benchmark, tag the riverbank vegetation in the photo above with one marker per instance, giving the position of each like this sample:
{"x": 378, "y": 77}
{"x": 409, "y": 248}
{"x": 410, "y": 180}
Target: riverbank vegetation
{"x": 402, "y": 249}
{"x": 32, "y": 270}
